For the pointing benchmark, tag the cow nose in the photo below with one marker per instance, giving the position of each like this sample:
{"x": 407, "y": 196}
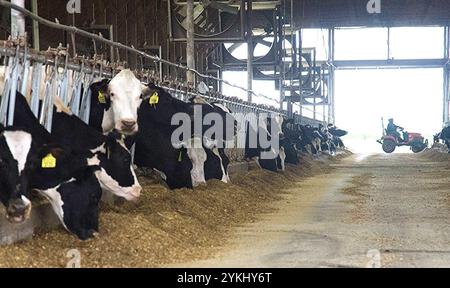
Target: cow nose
{"x": 18, "y": 211}
{"x": 129, "y": 123}
{"x": 17, "y": 207}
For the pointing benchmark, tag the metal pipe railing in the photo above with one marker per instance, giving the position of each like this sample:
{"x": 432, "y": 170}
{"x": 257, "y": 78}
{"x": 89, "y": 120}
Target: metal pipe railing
{"x": 75, "y": 30}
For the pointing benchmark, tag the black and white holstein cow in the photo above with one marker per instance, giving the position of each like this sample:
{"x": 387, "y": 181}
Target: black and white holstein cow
{"x": 115, "y": 102}
{"x": 116, "y": 174}
{"x": 327, "y": 140}
{"x": 268, "y": 156}
{"x": 216, "y": 164}
{"x": 288, "y": 141}
{"x": 15, "y": 152}
{"x": 108, "y": 151}
{"x": 62, "y": 176}
{"x": 180, "y": 162}
{"x": 311, "y": 140}
{"x": 445, "y": 136}
{"x": 337, "y": 134}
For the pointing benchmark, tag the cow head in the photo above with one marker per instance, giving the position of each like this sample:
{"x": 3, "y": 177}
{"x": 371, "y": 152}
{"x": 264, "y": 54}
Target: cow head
{"x": 123, "y": 94}
{"x": 160, "y": 106}
{"x": 117, "y": 174}
{"x": 15, "y": 147}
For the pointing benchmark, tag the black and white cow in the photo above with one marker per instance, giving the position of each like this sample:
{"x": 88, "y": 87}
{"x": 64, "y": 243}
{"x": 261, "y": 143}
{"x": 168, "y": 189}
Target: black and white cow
{"x": 15, "y": 152}
{"x": 108, "y": 151}
{"x": 62, "y": 176}
{"x": 445, "y": 136}
{"x": 216, "y": 164}
{"x": 269, "y": 158}
{"x": 311, "y": 139}
{"x": 181, "y": 162}
{"x": 337, "y": 134}
{"x": 71, "y": 187}
{"x": 154, "y": 147}
{"x": 116, "y": 174}
{"x": 327, "y": 143}
{"x": 288, "y": 141}
{"x": 115, "y": 102}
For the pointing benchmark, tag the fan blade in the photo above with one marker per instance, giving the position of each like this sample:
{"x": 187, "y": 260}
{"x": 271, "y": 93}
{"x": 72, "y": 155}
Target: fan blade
{"x": 220, "y": 6}
{"x": 233, "y": 47}
{"x": 198, "y": 10}
{"x": 264, "y": 42}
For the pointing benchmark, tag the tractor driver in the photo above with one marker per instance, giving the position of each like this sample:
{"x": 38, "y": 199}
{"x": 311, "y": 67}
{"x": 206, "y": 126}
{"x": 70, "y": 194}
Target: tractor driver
{"x": 392, "y": 129}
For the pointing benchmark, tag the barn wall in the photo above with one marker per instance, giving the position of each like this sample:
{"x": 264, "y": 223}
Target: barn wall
{"x": 140, "y": 23}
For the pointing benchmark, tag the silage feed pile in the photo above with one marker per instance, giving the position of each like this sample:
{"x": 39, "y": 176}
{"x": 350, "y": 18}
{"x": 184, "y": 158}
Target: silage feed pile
{"x": 434, "y": 154}
{"x": 166, "y": 226}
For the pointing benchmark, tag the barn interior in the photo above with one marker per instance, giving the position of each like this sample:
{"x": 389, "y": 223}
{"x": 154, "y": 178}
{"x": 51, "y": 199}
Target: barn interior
{"x": 346, "y": 64}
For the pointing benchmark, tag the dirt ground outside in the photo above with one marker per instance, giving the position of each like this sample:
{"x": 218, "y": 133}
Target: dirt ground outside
{"x": 169, "y": 227}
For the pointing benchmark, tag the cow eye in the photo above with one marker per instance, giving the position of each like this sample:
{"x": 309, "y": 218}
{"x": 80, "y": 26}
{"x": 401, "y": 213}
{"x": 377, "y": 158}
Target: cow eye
{"x": 111, "y": 94}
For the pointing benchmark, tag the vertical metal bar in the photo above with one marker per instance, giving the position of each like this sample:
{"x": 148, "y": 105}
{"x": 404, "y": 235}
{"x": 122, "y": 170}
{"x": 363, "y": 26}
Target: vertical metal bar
{"x": 331, "y": 89}
{"x": 17, "y": 19}
{"x": 294, "y": 60}
{"x": 24, "y": 75}
{"x": 446, "y": 116}
{"x": 6, "y": 90}
{"x": 249, "y": 51}
{"x": 35, "y": 89}
{"x": 51, "y": 99}
{"x": 34, "y": 8}
{"x": 314, "y": 85}
{"x": 13, "y": 91}
{"x": 190, "y": 43}
{"x": 388, "y": 43}
{"x": 280, "y": 44}
{"x": 76, "y": 95}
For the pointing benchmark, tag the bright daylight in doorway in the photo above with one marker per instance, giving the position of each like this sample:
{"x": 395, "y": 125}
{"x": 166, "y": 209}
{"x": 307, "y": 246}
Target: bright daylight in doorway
{"x": 413, "y": 97}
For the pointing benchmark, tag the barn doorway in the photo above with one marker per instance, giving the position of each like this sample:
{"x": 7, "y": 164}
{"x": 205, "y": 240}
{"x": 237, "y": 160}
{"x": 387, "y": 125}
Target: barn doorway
{"x": 413, "y": 97}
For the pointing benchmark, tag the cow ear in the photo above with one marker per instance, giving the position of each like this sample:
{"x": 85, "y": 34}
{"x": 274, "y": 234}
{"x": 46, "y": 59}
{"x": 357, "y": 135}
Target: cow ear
{"x": 101, "y": 86}
{"x": 146, "y": 91}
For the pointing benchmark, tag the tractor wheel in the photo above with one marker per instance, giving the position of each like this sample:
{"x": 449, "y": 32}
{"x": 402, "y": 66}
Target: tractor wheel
{"x": 389, "y": 146}
{"x": 418, "y": 147}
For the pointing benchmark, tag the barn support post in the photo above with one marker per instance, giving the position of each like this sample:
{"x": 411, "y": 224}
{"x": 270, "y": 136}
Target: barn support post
{"x": 332, "y": 68}
{"x": 446, "y": 82}
{"x": 17, "y": 19}
{"x": 249, "y": 51}
{"x": 35, "y": 10}
{"x": 280, "y": 43}
{"x": 190, "y": 43}
{"x": 290, "y": 108}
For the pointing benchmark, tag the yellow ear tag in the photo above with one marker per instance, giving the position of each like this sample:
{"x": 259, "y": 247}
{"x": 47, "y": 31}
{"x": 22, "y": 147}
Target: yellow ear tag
{"x": 49, "y": 162}
{"x": 154, "y": 99}
{"x": 101, "y": 98}
{"x": 180, "y": 156}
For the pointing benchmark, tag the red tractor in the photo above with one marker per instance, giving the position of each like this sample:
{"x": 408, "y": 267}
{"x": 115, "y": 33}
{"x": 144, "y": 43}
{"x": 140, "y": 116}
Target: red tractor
{"x": 414, "y": 140}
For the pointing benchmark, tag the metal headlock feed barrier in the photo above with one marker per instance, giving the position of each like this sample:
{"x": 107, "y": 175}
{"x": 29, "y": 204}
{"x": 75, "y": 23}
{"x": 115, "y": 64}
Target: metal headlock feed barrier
{"x": 65, "y": 77}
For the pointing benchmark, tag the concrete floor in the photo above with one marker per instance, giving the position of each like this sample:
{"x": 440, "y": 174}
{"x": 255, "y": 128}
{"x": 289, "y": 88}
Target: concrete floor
{"x": 371, "y": 211}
